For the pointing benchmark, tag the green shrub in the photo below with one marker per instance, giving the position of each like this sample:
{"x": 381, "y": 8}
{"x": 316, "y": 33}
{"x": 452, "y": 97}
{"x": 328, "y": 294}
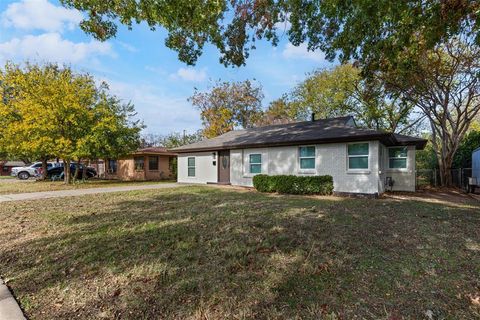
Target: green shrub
{"x": 294, "y": 184}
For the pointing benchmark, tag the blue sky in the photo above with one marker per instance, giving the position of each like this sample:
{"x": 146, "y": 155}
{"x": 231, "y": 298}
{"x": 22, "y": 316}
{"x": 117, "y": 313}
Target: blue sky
{"x": 138, "y": 66}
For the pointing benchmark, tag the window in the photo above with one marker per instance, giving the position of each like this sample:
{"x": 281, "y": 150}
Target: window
{"x": 112, "y": 166}
{"x": 397, "y": 158}
{"x": 139, "y": 163}
{"x": 358, "y": 156}
{"x": 152, "y": 163}
{"x": 255, "y": 163}
{"x": 191, "y": 166}
{"x": 307, "y": 157}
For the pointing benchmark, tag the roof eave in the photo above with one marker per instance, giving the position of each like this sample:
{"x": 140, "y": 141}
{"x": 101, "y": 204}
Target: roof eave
{"x": 384, "y": 137}
{"x": 154, "y": 153}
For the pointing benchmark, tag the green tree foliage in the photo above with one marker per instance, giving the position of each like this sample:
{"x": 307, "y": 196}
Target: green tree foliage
{"x": 342, "y": 91}
{"x": 29, "y": 100}
{"x": 463, "y": 156}
{"x": 445, "y": 86}
{"x": 426, "y": 158}
{"x": 228, "y": 105}
{"x": 171, "y": 140}
{"x": 372, "y": 31}
{"x": 51, "y": 111}
{"x": 327, "y": 93}
{"x": 278, "y": 111}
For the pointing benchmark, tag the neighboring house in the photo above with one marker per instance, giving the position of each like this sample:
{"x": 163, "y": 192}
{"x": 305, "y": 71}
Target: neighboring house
{"x": 359, "y": 160}
{"x": 144, "y": 164}
{"x": 6, "y": 166}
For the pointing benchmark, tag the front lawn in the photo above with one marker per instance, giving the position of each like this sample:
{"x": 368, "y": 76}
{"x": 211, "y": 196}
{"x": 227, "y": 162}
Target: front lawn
{"x": 26, "y": 186}
{"x": 209, "y": 253}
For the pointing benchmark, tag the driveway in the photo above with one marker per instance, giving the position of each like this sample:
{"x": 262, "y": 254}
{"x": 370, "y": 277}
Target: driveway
{"x": 81, "y": 192}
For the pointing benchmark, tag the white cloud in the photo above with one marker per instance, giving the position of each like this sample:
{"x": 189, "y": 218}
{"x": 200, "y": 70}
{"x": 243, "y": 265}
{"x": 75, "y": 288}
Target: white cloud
{"x": 127, "y": 46}
{"x": 40, "y": 15}
{"x": 190, "y": 74}
{"x": 51, "y": 47}
{"x": 161, "y": 112}
{"x": 301, "y": 52}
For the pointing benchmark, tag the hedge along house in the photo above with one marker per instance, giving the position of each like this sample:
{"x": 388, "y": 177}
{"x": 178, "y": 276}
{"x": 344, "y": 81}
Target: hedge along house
{"x": 145, "y": 164}
{"x": 359, "y": 160}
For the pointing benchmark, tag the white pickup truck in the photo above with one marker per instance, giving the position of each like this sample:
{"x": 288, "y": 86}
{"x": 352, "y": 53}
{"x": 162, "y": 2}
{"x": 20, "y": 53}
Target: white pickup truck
{"x": 474, "y": 180}
{"x": 24, "y": 173}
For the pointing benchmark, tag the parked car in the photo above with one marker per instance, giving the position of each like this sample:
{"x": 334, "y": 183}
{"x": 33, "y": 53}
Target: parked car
{"x": 23, "y": 173}
{"x": 58, "y": 171}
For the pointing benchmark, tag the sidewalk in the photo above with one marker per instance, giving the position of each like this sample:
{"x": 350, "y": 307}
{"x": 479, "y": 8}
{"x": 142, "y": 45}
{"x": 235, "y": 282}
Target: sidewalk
{"x": 81, "y": 192}
{"x": 9, "y": 309}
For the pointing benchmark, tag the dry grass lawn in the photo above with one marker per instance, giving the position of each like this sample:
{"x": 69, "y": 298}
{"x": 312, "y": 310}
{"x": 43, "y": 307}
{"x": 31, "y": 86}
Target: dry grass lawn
{"x": 25, "y": 186}
{"x": 209, "y": 253}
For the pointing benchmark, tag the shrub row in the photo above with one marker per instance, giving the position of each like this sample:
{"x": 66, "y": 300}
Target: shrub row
{"x": 294, "y": 184}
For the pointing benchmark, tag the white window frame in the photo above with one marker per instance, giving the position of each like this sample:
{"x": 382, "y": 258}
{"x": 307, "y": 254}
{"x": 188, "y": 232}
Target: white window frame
{"x": 358, "y": 170}
{"x": 300, "y": 169}
{"x": 388, "y": 159}
{"x": 255, "y": 163}
{"x": 189, "y": 167}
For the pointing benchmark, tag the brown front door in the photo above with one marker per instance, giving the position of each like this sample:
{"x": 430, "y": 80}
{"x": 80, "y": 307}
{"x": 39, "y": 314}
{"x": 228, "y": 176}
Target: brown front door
{"x": 224, "y": 167}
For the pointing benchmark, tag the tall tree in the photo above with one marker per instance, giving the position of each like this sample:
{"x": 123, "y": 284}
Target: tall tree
{"x": 112, "y": 133}
{"x": 278, "y": 111}
{"x": 371, "y": 31}
{"x": 227, "y": 106}
{"x": 26, "y": 124}
{"x": 445, "y": 86}
{"x": 171, "y": 140}
{"x": 49, "y": 111}
{"x": 342, "y": 91}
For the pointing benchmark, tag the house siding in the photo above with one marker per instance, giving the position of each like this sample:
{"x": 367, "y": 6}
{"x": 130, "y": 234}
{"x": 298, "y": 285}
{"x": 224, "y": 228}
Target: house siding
{"x": 404, "y": 179}
{"x": 330, "y": 159}
{"x": 205, "y": 170}
{"x": 126, "y": 169}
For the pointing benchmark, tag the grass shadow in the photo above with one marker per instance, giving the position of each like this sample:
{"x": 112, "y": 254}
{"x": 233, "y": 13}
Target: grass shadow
{"x": 211, "y": 253}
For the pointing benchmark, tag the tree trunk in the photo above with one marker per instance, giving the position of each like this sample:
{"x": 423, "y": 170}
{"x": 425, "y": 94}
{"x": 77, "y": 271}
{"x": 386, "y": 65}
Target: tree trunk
{"x": 445, "y": 165}
{"x": 84, "y": 172}
{"x": 77, "y": 169}
{"x": 44, "y": 168}
{"x": 66, "y": 171}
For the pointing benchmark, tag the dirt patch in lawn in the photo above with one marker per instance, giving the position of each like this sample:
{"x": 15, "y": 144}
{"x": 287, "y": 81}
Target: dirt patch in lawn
{"x": 446, "y": 196}
{"x": 210, "y": 253}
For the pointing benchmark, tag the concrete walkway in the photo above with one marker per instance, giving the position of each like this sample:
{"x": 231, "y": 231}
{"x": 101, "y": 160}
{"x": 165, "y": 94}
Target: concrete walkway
{"x": 81, "y": 192}
{"x": 9, "y": 309}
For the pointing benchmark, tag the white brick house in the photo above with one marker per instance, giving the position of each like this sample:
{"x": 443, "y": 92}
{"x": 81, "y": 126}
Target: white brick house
{"x": 359, "y": 160}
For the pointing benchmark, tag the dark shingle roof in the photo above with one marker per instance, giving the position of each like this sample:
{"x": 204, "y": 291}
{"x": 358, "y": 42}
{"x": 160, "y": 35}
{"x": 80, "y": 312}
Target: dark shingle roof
{"x": 409, "y": 140}
{"x": 320, "y": 131}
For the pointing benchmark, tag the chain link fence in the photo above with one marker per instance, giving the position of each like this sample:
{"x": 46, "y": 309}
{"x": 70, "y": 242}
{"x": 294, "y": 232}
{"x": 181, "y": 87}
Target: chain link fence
{"x": 431, "y": 177}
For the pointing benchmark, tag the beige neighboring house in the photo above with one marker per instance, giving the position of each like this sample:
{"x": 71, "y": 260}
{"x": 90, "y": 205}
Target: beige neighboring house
{"x": 145, "y": 164}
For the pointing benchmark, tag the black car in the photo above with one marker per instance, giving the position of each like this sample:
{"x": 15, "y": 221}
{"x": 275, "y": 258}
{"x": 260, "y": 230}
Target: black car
{"x": 57, "y": 171}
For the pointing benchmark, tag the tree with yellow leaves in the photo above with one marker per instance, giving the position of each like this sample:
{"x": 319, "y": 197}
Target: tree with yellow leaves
{"x": 50, "y": 111}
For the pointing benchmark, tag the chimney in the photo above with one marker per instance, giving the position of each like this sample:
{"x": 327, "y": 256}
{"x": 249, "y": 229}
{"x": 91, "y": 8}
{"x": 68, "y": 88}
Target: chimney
{"x": 313, "y": 116}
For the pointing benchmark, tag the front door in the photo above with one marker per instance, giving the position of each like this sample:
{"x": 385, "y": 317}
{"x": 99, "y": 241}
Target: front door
{"x": 224, "y": 167}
